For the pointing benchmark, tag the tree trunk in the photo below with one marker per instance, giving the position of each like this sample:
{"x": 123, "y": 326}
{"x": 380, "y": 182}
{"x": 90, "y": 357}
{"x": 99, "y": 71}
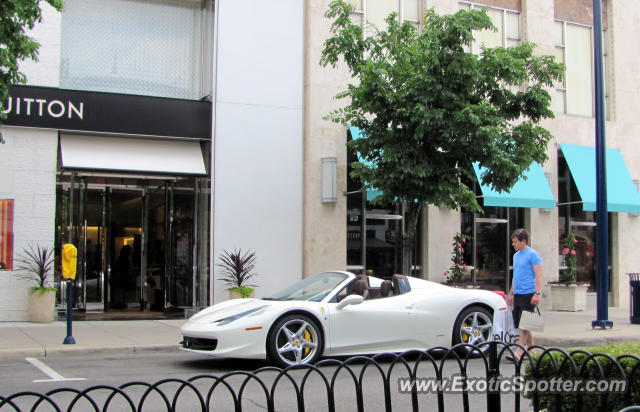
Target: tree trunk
{"x": 408, "y": 240}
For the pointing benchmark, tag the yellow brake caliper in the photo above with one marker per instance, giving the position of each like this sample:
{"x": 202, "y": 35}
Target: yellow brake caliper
{"x": 307, "y": 337}
{"x": 465, "y": 336}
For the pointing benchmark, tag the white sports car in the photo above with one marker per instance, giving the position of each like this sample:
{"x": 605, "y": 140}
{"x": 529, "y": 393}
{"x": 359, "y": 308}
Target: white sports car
{"x": 339, "y": 313}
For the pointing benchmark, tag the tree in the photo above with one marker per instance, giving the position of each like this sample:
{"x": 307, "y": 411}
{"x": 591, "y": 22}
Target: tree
{"x": 427, "y": 109}
{"x": 15, "y": 45}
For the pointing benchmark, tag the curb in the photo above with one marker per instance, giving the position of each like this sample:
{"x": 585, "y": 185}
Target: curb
{"x": 70, "y": 350}
{"x": 12, "y": 354}
{"x": 580, "y": 343}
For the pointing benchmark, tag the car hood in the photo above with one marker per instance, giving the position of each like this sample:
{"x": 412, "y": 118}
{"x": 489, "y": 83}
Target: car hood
{"x": 225, "y": 309}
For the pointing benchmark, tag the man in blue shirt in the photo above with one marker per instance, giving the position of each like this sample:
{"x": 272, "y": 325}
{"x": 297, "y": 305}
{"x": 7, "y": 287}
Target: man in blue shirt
{"x": 526, "y": 285}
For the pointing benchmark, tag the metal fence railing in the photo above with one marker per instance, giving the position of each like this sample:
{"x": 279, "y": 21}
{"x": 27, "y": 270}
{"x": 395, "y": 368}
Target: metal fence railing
{"x": 382, "y": 382}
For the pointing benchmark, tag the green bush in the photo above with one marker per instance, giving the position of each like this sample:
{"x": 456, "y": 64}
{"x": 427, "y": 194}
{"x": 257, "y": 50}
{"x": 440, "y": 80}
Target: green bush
{"x": 605, "y": 362}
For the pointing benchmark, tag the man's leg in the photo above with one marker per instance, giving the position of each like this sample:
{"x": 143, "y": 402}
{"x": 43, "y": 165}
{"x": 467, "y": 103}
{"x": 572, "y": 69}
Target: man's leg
{"x": 525, "y": 339}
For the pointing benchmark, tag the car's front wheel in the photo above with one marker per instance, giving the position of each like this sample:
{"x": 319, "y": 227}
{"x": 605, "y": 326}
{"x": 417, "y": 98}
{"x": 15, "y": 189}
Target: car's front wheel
{"x": 473, "y": 326}
{"x": 294, "y": 340}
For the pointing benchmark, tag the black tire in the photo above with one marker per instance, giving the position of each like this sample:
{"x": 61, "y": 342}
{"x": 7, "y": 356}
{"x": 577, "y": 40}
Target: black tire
{"x": 474, "y": 326}
{"x": 294, "y": 340}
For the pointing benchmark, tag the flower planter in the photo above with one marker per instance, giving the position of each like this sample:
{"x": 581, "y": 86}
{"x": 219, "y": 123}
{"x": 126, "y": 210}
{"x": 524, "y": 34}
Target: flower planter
{"x": 41, "y": 306}
{"x": 569, "y": 297}
{"x": 235, "y": 293}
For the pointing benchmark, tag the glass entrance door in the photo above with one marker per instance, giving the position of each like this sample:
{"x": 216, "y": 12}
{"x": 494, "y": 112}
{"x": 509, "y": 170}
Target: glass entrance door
{"x": 142, "y": 242}
{"x": 125, "y": 247}
{"x": 491, "y": 254}
{"x": 182, "y": 203}
{"x": 157, "y": 222}
{"x": 107, "y": 230}
{"x": 91, "y": 250}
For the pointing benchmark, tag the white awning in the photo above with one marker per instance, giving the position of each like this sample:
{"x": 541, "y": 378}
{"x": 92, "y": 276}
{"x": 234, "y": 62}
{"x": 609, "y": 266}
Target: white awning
{"x": 141, "y": 155}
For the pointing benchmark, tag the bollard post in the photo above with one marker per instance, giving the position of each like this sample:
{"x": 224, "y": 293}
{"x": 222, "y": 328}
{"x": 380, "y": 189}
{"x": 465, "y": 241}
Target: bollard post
{"x": 69, "y": 340}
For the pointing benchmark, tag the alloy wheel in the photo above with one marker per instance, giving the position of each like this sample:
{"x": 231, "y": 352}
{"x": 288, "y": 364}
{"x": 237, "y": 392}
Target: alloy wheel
{"x": 296, "y": 342}
{"x": 475, "y": 328}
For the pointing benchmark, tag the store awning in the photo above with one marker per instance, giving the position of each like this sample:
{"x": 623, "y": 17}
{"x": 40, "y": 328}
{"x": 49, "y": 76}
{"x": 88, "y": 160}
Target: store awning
{"x": 622, "y": 195}
{"x": 534, "y": 191}
{"x": 136, "y": 155}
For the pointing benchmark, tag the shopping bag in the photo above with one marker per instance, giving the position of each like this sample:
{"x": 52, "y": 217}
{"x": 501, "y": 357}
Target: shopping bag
{"x": 533, "y": 321}
{"x": 503, "y": 328}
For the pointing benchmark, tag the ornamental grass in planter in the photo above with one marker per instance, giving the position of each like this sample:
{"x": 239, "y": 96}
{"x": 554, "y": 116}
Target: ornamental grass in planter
{"x": 36, "y": 265}
{"x": 237, "y": 269}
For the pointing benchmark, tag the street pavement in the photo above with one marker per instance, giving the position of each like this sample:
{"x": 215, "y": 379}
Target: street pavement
{"x": 24, "y": 339}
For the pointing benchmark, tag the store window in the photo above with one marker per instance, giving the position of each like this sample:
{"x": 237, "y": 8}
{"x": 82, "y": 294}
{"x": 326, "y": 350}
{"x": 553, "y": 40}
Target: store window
{"x": 383, "y": 230}
{"x": 573, "y": 219}
{"x": 507, "y": 22}
{"x": 6, "y": 234}
{"x": 144, "y": 47}
{"x": 573, "y": 37}
{"x": 375, "y": 12}
{"x": 490, "y": 256}
{"x": 574, "y": 49}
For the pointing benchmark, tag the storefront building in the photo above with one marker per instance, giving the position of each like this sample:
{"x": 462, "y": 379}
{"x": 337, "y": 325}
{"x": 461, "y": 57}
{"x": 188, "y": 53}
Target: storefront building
{"x": 156, "y": 135}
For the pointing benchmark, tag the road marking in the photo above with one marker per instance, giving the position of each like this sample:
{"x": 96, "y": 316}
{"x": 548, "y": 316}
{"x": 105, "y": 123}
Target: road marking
{"x": 55, "y": 376}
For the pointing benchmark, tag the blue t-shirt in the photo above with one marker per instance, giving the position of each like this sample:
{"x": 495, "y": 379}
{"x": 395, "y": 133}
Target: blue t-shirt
{"x": 524, "y": 278}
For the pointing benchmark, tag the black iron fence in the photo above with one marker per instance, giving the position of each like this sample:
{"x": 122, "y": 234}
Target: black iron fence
{"x": 436, "y": 379}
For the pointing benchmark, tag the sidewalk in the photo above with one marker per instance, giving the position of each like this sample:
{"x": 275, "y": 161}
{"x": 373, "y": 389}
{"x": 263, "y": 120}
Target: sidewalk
{"x": 24, "y": 339}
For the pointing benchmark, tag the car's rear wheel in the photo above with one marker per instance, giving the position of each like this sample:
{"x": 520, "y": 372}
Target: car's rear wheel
{"x": 473, "y": 326}
{"x": 294, "y": 340}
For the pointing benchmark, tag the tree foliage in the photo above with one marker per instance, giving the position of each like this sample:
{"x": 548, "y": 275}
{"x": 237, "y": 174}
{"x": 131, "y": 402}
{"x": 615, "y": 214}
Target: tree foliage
{"x": 17, "y": 16}
{"x": 428, "y": 108}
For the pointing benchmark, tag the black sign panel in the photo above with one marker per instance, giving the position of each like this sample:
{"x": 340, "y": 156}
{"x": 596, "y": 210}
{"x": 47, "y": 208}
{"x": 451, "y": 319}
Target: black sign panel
{"x": 53, "y": 108}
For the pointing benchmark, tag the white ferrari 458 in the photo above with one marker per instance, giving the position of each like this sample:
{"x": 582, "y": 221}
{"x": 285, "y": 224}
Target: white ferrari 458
{"x": 339, "y": 313}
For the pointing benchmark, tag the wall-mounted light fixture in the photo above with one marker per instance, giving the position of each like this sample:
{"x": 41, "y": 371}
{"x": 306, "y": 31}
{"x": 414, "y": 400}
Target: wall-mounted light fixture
{"x": 329, "y": 180}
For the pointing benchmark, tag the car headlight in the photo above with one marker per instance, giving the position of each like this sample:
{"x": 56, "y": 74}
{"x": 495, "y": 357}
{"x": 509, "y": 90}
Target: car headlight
{"x": 229, "y": 319}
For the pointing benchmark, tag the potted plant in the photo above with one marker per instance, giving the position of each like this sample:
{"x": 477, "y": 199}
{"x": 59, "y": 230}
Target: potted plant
{"x": 458, "y": 274}
{"x": 36, "y": 265}
{"x": 237, "y": 269}
{"x": 567, "y": 294}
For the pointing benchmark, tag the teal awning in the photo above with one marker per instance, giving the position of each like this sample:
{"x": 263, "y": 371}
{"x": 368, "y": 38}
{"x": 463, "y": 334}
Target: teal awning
{"x": 356, "y": 133}
{"x": 534, "y": 191}
{"x": 622, "y": 195}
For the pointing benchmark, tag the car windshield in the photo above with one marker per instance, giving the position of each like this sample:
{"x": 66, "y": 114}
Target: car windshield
{"x": 313, "y": 288}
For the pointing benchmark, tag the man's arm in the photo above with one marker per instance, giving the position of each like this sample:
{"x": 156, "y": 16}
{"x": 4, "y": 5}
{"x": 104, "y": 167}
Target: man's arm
{"x": 537, "y": 269}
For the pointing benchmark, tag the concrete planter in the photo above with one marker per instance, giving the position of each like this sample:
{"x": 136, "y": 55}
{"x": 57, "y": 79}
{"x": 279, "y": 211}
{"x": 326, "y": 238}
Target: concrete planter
{"x": 569, "y": 297}
{"x": 41, "y": 306}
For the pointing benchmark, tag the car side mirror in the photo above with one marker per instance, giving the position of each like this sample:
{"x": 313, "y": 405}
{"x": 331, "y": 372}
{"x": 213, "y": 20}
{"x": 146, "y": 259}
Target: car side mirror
{"x": 350, "y": 300}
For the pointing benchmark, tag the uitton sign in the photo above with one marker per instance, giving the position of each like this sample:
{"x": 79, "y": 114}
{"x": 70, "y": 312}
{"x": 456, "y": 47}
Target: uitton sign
{"x": 41, "y": 107}
{"x": 52, "y": 108}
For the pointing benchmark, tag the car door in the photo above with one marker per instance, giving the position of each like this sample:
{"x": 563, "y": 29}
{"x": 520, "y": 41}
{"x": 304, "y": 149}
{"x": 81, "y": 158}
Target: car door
{"x": 375, "y": 325}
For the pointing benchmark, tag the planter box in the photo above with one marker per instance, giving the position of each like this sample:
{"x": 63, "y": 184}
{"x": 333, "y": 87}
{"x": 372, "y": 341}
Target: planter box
{"x": 568, "y": 297}
{"x": 236, "y": 294}
{"x": 42, "y": 306}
